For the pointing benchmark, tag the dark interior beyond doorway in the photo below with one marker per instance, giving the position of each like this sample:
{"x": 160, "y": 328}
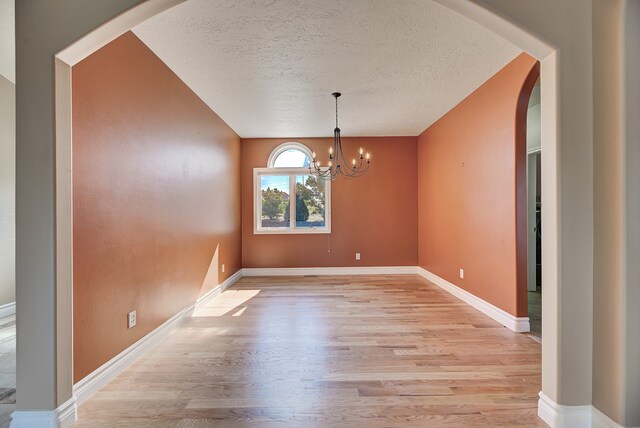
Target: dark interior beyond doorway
{"x": 535, "y": 296}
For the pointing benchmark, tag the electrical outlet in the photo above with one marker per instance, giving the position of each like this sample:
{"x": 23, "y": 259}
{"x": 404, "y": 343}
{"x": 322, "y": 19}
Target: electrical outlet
{"x": 357, "y": 256}
{"x": 462, "y": 273}
{"x": 222, "y": 267}
{"x": 132, "y": 319}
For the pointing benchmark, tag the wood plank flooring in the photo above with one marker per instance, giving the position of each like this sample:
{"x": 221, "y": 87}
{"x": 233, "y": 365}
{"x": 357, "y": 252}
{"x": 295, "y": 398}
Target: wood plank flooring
{"x": 332, "y": 351}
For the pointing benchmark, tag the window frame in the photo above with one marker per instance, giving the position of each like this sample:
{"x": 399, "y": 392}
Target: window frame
{"x": 292, "y": 229}
{"x": 283, "y": 148}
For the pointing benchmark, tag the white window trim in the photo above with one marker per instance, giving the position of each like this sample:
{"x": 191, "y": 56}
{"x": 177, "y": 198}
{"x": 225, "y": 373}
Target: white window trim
{"x": 291, "y": 230}
{"x": 283, "y": 148}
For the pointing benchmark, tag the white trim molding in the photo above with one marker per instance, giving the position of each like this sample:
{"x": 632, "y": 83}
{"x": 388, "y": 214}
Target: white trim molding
{"x": 292, "y": 229}
{"x": 204, "y": 299}
{"x": 516, "y": 324}
{"x": 561, "y": 416}
{"x": 287, "y": 146}
{"x": 373, "y": 270}
{"x": 62, "y": 417}
{"x": 600, "y": 420}
{"x": 88, "y": 386}
{"x": 8, "y": 309}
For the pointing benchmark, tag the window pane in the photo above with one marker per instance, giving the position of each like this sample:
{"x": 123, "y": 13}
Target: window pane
{"x": 310, "y": 201}
{"x": 275, "y": 201}
{"x": 292, "y": 158}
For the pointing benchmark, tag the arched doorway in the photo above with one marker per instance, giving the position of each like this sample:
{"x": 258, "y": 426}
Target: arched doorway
{"x": 524, "y": 204}
{"x": 113, "y": 28}
{"x": 534, "y": 230}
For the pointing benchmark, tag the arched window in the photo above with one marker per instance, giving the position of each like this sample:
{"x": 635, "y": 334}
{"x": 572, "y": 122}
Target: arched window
{"x": 288, "y": 198}
{"x": 290, "y": 155}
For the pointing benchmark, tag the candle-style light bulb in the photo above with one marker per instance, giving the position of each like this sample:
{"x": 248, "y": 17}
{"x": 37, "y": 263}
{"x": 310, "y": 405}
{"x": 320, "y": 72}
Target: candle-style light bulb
{"x": 354, "y": 163}
{"x": 368, "y": 156}
{"x": 361, "y": 151}
{"x": 314, "y": 155}
{"x": 330, "y": 150}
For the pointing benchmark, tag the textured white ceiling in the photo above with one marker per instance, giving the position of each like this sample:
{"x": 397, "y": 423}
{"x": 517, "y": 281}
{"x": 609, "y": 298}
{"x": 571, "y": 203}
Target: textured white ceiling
{"x": 268, "y": 67}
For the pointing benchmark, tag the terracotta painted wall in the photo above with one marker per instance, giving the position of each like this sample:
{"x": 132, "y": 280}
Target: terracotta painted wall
{"x": 472, "y": 190}
{"x": 156, "y": 199}
{"x": 375, "y": 215}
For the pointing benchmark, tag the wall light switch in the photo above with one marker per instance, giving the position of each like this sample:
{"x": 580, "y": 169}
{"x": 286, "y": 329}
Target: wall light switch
{"x": 222, "y": 267}
{"x": 132, "y": 319}
{"x": 357, "y": 256}
{"x": 462, "y": 273}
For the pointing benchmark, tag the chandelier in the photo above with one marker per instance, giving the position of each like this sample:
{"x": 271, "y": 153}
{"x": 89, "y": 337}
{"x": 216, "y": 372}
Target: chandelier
{"x": 338, "y": 164}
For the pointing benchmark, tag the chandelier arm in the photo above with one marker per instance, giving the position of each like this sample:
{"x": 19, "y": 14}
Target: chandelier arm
{"x": 359, "y": 164}
{"x": 326, "y": 174}
{"x": 338, "y": 163}
{"x": 342, "y": 157}
{"x": 316, "y": 169}
{"x": 359, "y": 170}
{"x": 335, "y": 173}
{"x": 349, "y": 173}
{"x": 324, "y": 177}
{"x": 358, "y": 173}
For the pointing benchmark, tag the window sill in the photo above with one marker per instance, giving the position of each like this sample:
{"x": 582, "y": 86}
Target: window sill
{"x": 293, "y": 232}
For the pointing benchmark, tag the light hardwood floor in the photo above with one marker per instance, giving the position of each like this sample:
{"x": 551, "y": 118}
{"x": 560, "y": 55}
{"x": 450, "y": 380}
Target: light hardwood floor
{"x": 340, "y": 351}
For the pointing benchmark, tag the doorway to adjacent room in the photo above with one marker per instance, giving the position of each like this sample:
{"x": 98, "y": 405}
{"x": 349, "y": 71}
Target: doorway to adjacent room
{"x": 534, "y": 231}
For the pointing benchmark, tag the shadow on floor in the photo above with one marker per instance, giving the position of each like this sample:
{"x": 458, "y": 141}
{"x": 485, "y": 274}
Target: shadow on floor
{"x": 535, "y": 312}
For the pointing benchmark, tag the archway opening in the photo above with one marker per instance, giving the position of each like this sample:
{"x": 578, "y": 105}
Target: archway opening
{"x": 106, "y": 33}
{"x": 534, "y": 210}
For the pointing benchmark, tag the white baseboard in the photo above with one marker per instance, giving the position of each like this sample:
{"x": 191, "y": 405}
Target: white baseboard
{"x": 373, "y": 270}
{"x": 561, "y": 416}
{"x": 600, "y": 420}
{"x": 112, "y": 368}
{"x": 516, "y": 324}
{"x": 62, "y": 417}
{"x": 203, "y": 300}
{"x": 8, "y": 309}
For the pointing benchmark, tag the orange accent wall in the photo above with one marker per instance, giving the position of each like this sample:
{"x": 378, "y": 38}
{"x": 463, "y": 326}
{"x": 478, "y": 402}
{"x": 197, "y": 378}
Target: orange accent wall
{"x": 156, "y": 194}
{"x": 472, "y": 190}
{"x": 375, "y": 215}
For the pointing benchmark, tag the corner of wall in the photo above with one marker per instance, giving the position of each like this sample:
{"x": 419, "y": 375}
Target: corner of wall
{"x": 7, "y": 194}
